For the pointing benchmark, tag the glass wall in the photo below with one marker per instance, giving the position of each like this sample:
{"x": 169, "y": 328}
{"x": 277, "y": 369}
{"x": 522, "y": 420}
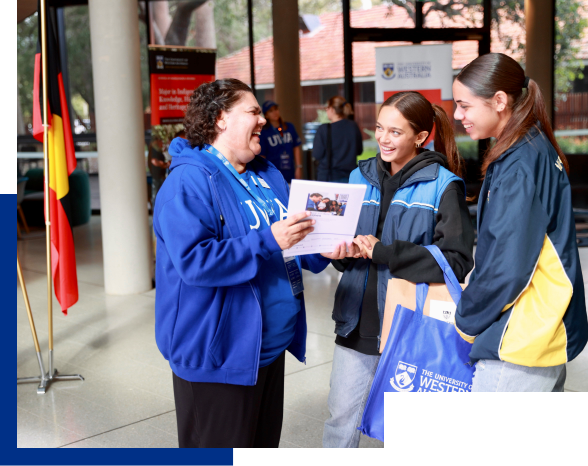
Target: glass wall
{"x": 26, "y": 49}
{"x": 79, "y": 67}
{"x": 215, "y": 24}
{"x": 452, "y": 14}
{"x": 223, "y": 24}
{"x": 571, "y": 76}
{"x": 220, "y": 24}
{"x": 383, "y": 14}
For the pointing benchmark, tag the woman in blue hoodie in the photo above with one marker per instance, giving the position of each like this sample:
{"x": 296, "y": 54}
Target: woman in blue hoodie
{"x": 228, "y": 303}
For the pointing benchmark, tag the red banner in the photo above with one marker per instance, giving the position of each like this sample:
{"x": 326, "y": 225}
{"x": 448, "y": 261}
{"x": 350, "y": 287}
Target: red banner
{"x": 170, "y": 95}
{"x": 175, "y": 73}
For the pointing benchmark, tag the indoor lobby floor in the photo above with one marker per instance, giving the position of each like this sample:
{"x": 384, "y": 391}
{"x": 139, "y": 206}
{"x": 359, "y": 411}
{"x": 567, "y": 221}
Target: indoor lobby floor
{"x": 126, "y": 399}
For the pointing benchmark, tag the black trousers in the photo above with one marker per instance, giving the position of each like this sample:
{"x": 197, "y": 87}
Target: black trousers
{"x": 217, "y": 415}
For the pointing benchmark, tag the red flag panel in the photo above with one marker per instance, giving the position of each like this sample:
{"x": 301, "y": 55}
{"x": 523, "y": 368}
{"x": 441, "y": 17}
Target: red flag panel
{"x": 62, "y": 163}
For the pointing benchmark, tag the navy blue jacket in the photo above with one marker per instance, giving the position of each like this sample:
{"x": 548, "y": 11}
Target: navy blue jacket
{"x": 207, "y": 306}
{"x": 525, "y": 300}
{"x": 346, "y": 144}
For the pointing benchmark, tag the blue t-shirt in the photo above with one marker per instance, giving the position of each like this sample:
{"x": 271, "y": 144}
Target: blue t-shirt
{"x": 279, "y": 308}
{"x": 279, "y": 150}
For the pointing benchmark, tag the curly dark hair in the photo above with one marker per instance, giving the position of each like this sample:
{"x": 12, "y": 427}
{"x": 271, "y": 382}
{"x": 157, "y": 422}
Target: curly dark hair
{"x": 206, "y": 104}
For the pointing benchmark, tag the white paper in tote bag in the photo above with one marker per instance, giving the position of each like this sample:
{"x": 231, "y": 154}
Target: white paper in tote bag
{"x": 336, "y": 222}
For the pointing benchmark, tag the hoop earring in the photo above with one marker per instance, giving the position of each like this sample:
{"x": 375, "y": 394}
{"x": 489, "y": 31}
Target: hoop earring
{"x": 418, "y": 145}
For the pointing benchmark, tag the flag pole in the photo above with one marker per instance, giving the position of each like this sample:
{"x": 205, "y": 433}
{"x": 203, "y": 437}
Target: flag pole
{"x": 43, "y": 21}
{"x": 52, "y": 373}
{"x": 43, "y": 381}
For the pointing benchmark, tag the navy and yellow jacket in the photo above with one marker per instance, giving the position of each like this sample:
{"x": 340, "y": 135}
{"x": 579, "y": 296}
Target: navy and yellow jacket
{"x": 525, "y": 300}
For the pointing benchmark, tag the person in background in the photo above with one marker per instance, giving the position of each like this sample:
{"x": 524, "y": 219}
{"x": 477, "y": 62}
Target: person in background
{"x": 524, "y": 309}
{"x": 280, "y": 143}
{"x": 337, "y": 154}
{"x": 158, "y": 166}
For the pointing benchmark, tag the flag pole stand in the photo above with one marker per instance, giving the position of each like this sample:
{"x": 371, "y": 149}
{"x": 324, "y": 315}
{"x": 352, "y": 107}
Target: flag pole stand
{"x": 52, "y": 374}
{"x": 43, "y": 381}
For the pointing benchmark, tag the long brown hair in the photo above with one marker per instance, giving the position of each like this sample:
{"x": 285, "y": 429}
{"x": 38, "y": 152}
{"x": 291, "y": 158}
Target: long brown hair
{"x": 342, "y": 108}
{"x": 494, "y": 72}
{"x": 422, "y": 115}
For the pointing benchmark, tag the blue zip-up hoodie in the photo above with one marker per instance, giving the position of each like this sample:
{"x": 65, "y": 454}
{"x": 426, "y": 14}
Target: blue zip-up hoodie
{"x": 525, "y": 300}
{"x": 207, "y": 307}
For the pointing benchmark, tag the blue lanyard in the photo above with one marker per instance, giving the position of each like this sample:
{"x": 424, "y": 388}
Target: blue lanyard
{"x": 267, "y": 205}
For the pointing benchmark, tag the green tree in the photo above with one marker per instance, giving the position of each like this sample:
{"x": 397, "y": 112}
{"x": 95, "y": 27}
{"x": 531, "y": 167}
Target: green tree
{"x": 26, "y": 48}
{"x": 231, "y": 24}
{"x": 79, "y": 58}
{"x": 570, "y": 23}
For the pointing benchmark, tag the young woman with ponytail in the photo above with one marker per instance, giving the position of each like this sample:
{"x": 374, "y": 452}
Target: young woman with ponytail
{"x": 414, "y": 198}
{"x": 524, "y": 309}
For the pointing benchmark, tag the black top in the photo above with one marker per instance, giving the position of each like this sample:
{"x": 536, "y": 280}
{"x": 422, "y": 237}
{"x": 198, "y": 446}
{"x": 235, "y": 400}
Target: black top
{"x": 454, "y": 235}
{"x": 346, "y": 146}
{"x": 156, "y": 172}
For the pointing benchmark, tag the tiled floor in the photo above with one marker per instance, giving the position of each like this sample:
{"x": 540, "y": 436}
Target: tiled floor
{"x": 126, "y": 399}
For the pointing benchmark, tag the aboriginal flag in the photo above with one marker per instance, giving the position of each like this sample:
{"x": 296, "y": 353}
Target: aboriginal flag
{"x": 62, "y": 162}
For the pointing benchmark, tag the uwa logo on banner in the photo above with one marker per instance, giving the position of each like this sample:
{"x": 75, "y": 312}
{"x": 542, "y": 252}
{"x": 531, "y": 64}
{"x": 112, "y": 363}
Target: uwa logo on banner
{"x": 388, "y": 71}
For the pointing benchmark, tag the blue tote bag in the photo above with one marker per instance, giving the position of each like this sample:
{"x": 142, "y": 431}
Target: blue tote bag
{"x": 422, "y": 354}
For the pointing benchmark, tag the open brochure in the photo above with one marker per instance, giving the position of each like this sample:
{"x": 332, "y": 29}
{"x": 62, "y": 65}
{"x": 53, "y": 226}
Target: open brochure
{"x": 334, "y": 206}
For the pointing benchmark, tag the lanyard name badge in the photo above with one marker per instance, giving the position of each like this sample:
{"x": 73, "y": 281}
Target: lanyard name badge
{"x": 292, "y": 269}
{"x": 294, "y": 275}
{"x": 266, "y": 205}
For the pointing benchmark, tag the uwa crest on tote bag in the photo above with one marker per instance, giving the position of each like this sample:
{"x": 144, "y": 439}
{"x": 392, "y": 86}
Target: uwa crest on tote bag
{"x": 423, "y": 354}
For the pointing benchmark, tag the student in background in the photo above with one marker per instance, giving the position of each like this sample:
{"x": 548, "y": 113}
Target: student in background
{"x": 414, "y": 198}
{"x": 337, "y": 144}
{"x": 280, "y": 143}
{"x": 524, "y": 308}
{"x": 157, "y": 167}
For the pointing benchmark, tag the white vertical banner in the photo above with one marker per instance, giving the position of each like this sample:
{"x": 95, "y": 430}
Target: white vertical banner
{"x": 414, "y": 68}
